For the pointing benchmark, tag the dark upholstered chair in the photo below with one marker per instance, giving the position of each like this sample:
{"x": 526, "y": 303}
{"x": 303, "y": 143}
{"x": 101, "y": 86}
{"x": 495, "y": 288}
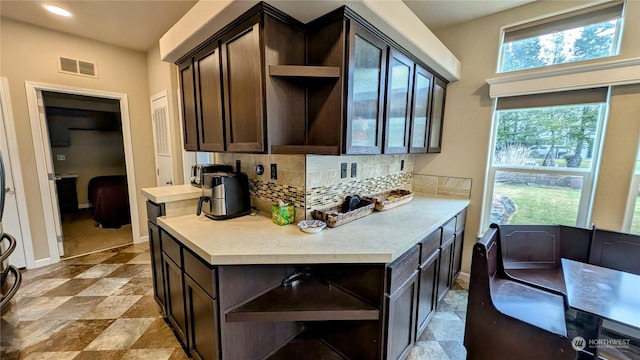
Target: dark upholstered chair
{"x": 507, "y": 319}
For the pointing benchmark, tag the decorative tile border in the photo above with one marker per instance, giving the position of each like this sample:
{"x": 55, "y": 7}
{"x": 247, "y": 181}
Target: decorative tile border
{"x": 275, "y": 192}
{"x": 326, "y": 196}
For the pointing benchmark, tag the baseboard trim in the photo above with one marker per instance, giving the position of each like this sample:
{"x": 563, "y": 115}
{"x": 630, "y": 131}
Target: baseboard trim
{"x": 84, "y": 206}
{"x": 40, "y": 263}
{"x": 464, "y": 277}
{"x": 143, "y": 239}
{"x": 95, "y": 251}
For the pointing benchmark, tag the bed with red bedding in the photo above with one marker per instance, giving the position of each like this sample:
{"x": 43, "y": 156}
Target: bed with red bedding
{"x": 110, "y": 200}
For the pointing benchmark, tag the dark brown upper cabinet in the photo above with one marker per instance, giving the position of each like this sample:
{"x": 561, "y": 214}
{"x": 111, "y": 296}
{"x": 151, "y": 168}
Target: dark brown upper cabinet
{"x": 202, "y": 112}
{"x": 420, "y": 116}
{"x": 188, "y": 98}
{"x": 365, "y": 95}
{"x": 209, "y": 99}
{"x": 337, "y": 85}
{"x": 242, "y": 69}
{"x": 437, "y": 116}
{"x": 230, "y": 103}
{"x": 399, "y": 96}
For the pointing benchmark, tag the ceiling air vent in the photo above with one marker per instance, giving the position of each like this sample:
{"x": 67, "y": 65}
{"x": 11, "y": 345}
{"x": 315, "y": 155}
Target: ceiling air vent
{"x": 77, "y": 67}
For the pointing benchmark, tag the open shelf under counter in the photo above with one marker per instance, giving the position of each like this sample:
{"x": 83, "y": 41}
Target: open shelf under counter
{"x": 305, "y": 346}
{"x": 304, "y": 71}
{"x": 309, "y": 299}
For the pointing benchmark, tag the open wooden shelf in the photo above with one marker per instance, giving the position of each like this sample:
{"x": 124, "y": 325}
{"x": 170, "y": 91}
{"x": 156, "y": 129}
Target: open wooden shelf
{"x": 305, "y": 346}
{"x": 304, "y": 71}
{"x": 305, "y": 149}
{"x": 309, "y": 300}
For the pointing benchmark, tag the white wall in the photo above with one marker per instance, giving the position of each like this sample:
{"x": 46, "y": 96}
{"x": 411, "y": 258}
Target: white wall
{"x": 29, "y": 53}
{"x": 164, "y": 76}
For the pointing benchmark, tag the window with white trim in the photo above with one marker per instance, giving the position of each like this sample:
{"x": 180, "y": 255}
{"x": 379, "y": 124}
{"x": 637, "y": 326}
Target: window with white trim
{"x": 584, "y": 34}
{"x": 544, "y": 154}
{"x": 633, "y": 223}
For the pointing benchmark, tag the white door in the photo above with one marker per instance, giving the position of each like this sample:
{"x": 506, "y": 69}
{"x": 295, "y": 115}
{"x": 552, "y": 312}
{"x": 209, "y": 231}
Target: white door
{"x": 53, "y": 190}
{"x": 11, "y": 217}
{"x": 162, "y": 139}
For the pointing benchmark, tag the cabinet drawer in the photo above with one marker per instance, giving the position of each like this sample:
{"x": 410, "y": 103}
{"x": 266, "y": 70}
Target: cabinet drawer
{"x": 448, "y": 230}
{"x": 153, "y": 211}
{"x": 402, "y": 269}
{"x": 429, "y": 245}
{"x": 201, "y": 273}
{"x": 461, "y": 218}
{"x": 171, "y": 247}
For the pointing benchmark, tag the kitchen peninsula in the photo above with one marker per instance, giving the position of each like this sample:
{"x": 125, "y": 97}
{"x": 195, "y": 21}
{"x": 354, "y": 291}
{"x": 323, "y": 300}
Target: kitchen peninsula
{"x": 246, "y": 288}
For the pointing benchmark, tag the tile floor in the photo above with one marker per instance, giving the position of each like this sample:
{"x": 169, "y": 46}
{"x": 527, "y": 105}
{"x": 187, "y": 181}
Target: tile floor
{"x": 100, "y": 306}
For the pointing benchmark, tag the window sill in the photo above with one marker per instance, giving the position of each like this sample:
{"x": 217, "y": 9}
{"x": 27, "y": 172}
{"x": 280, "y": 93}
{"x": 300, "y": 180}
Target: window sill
{"x": 583, "y": 76}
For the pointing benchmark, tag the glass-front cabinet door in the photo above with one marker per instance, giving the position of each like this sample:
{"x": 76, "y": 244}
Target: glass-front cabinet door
{"x": 365, "y": 97}
{"x": 399, "y": 89}
{"x": 422, "y": 86}
{"x": 437, "y": 115}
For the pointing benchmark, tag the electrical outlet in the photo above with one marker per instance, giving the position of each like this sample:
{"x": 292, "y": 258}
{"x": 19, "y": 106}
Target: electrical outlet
{"x": 354, "y": 169}
{"x": 61, "y": 157}
{"x": 401, "y": 165}
{"x": 343, "y": 170}
{"x": 274, "y": 171}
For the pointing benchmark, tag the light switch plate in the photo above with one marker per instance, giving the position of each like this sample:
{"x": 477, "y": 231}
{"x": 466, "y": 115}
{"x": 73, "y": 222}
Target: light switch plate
{"x": 61, "y": 157}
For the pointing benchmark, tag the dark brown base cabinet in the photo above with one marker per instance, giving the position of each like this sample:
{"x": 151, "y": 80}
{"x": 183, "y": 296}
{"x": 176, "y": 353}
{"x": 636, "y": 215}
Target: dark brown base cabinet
{"x": 202, "y": 317}
{"x": 426, "y": 294}
{"x": 156, "y": 266}
{"x": 174, "y": 288}
{"x": 401, "y": 305}
{"x": 357, "y": 311}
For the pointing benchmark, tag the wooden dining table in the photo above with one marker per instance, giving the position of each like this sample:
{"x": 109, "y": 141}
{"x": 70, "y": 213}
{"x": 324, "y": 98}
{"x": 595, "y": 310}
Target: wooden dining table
{"x": 605, "y": 293}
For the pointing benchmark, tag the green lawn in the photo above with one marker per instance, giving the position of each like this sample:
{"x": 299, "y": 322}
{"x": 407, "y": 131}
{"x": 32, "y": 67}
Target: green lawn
{"x": 549, "y": 205}
{"x": 541, "y": 205}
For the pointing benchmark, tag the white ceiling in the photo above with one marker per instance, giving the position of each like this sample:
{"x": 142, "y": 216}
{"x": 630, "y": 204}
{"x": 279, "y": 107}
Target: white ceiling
{"x": 138, "y": 24}
{"x": 133, "y": 24}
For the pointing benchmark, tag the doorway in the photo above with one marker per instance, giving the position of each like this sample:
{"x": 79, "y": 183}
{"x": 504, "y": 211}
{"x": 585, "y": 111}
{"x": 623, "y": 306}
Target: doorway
{"x": 49, "y": 177}
{"x": 86, "y": 143}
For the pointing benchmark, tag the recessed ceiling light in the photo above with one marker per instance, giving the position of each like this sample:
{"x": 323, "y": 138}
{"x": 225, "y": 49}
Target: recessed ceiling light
{"x": 57, "y": 10}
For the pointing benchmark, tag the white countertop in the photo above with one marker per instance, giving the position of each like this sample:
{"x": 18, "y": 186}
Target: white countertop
{"x": 165, "y": 194}
{"x": 378, "y": 238}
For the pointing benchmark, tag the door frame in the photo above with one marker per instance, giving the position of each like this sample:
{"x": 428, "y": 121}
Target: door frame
{"x": 160, "y": 95}
{"x": 42, "y": 150}
{"x": 16, "y": 170}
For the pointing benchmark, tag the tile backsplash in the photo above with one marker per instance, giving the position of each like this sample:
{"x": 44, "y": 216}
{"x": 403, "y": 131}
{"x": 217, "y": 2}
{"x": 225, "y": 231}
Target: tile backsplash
{"x": 288, "y": 187}
{"x": 445, "y": 186}
{"x": 374, "y": 174}
{"x": 314, "y": 181}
